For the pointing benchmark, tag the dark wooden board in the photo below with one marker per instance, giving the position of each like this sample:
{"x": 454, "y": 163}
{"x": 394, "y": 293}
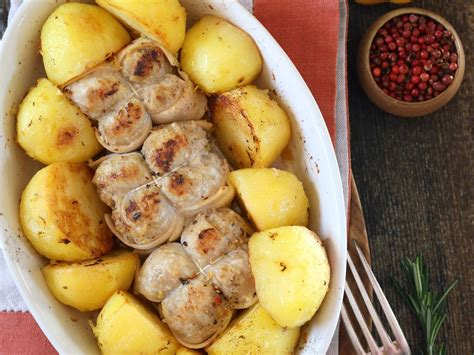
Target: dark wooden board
{"x": 416, "y": 182}
{"x": 357, "y": 233}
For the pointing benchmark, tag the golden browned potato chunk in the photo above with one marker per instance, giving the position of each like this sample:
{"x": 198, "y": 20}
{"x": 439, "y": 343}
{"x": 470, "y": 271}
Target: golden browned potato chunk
{"x": 185, "y": 351}
{"x": 125, "y": 326}
{"x": 272, "y": 197}
{"x": 76, "y": 37}
{"x": 251, "y": 128}
{"x": 51, "y": 129}
{"x": 87, "y": 285}
{"x": 164, "y": 21}
{"x": 255, "y": 332}
{"x": 291, "y": 271}
{"x": 62, "y": 215}
{"x": 218, "y": 56}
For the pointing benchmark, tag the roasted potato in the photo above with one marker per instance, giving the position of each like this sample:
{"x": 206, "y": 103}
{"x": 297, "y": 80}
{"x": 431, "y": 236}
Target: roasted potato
{"x": 125, "y": 326}
{"x": 251, "y": 128}
{"x": 254, "y": 332}
{"x": 185, "y": 351}
{"x": 62, "y": 215}
{"x": 51, "y": 129}
{"x": 76, "y": 37}
{"x": 291, "y": 271}
{"x": 87, "y": 285}
{"x": 218, "y": 56}
{"x": 271, "y": 197}
{"x": 164, "y": 21}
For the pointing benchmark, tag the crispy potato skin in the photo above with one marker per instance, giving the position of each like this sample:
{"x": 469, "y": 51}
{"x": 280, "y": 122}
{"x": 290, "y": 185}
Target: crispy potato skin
{"x": 218, "y": 56}
{"x": 51, "y": 129}
{"x": 251, "y": 128}
{"x": 164, "y": 21}
{"x": 87, "y": 285}
{"x": 272, "y": 197}
{"x": 255, "y": 332}
{"x": 125, "y": 326}
{"x": 293, "y": 257}
{"x": 62, "y": 215}
{"x": 76, "y": 37}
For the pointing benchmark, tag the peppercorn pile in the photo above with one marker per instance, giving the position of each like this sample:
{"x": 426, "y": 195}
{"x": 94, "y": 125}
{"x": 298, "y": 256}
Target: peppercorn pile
{"x": 413, "y": 58}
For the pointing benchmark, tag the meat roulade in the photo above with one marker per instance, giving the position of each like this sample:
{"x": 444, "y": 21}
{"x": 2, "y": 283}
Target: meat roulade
{"x": 196, "y": 313}
{"x": 153, "y": 194}
{"x": 202, "y": 280}
{"x": 193, "y": 177}
{"x": 164, "y": 270}
{"x": 129, "y": 93}
{"x": 142, "y": 217}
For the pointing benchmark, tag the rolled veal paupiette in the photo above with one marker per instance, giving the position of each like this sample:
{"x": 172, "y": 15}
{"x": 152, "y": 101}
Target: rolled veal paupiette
{"x": 151, "y": 194}
{"x": 199, "y": 282}
{"x": 133, "y": 91}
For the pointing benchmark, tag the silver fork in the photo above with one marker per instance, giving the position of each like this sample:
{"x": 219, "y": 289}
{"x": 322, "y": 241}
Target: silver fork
{"x": 400, "y": 345}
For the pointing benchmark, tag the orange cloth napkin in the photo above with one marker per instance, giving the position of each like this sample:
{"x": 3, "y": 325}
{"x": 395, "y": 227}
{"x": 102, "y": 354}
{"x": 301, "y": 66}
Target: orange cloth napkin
{"x": 308, "y": 32}
{"x": 314, "y": 35}
{"x": 19, "y": 334}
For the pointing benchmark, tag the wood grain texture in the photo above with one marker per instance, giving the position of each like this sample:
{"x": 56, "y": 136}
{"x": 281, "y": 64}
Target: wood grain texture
{"x": 416, "y": 182}
{"x": 357, "y": 233}
{"x": 4, "y": 5}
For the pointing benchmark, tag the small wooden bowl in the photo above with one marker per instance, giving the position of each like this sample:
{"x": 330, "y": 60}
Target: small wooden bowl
{"x": 388, "y": 103}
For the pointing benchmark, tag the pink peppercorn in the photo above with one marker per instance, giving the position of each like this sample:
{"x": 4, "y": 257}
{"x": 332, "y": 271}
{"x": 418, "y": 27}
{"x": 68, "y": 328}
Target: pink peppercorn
{"x": 413, "y": 58}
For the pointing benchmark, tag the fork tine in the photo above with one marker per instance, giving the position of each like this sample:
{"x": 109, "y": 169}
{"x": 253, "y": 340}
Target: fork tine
{"x": 360, "y": 319}
{"x": 392, "y": 320}
{"x": 351, "y": 332}
{"x": 387, "y": 342}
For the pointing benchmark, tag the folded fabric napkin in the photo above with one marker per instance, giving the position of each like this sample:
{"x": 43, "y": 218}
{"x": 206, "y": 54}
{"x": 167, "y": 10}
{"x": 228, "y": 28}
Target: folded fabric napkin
{"x": 313, "y": 34}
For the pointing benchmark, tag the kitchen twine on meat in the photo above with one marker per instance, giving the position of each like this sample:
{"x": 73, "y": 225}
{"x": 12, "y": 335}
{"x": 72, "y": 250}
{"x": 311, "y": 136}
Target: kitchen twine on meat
{"x": 305, "y": 29}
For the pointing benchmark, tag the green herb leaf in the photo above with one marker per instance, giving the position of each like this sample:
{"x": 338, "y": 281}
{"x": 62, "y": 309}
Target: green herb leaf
{"x": 428, "y": 307}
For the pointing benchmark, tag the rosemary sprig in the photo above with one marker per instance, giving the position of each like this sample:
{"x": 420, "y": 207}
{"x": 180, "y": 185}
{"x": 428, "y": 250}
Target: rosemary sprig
{"x": 428, "y": 307}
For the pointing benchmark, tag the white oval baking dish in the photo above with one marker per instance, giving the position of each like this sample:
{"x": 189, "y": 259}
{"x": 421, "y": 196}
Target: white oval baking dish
{"x": 314, "y": 162}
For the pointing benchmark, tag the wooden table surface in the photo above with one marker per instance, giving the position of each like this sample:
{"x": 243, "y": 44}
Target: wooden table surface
{"x": 416, "y": 182}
